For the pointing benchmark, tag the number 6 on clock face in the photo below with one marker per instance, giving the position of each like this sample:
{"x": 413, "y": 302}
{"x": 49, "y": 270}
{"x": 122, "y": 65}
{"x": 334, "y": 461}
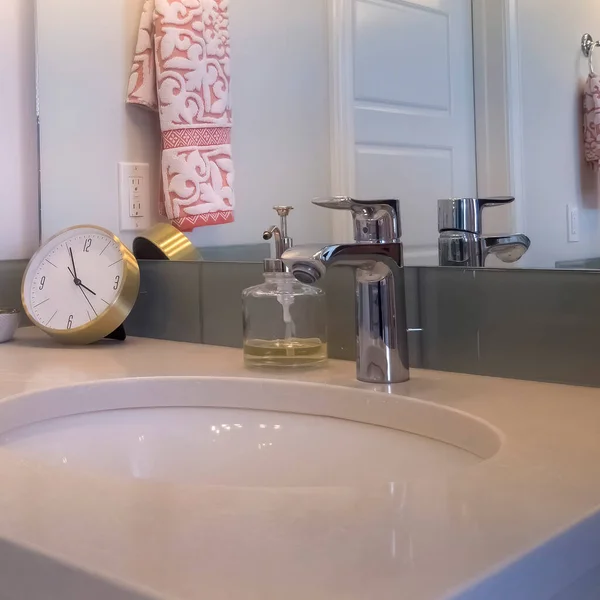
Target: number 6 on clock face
{"x": 81, "y": 285}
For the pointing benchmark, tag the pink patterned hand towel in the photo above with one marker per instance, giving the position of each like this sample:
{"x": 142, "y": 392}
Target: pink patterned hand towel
{"x": 591, "y": 118}
{"x": 182, "y": 69}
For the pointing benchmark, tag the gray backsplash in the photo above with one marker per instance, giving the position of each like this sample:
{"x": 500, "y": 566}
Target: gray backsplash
{"x": 11, "y": 275}
{"x": 244, "y": 253}
{"x": 535, "y": 325}
{"x": 523, "y": 324}
{"x": 584, "y": 263}
{"x": 169, "y": 306}
{"x": 223, "y": 284}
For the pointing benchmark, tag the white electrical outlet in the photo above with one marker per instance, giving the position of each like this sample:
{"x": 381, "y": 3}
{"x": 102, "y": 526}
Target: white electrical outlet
{"x": 572, "y": 223}
{"x": 134, "y": 196}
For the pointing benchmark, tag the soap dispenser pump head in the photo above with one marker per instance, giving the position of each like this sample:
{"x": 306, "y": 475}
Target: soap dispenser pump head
{"x": 284, "y": 212}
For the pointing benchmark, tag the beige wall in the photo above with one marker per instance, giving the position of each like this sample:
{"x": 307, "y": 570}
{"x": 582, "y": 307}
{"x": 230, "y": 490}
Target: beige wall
{"x": 553, "y": 70}
{"x": 19, "y": 226}
{"x": 280, "y": 100}
{"x": 85, "y": 52}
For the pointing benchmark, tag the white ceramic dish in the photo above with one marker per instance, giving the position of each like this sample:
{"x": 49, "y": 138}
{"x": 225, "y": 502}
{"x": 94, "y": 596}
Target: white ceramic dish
{"x": 9, "y": 323}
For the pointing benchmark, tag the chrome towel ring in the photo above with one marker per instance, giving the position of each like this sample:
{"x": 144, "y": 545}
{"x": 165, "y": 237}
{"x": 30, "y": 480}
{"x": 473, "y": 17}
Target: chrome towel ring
{"x": 588, "y": 45}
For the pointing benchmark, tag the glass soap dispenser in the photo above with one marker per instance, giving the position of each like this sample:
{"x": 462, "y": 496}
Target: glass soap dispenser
{"x": 285, "y": 323}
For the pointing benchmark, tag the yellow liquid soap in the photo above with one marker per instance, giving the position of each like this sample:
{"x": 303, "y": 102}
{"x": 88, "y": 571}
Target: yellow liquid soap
{"x": 285, "y": 353}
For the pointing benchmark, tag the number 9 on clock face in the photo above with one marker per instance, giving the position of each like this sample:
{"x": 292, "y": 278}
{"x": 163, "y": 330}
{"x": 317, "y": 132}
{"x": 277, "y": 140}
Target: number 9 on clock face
{"x": 81, "y": 285}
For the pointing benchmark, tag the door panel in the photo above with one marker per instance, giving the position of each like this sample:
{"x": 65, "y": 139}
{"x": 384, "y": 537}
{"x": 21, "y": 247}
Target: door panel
{"x": 414, "y": 117}
{"x": 412, "y": 168}
{"x": 387, "y": 35}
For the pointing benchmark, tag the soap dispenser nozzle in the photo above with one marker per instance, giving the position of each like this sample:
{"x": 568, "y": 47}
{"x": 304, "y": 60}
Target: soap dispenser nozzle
{"x": 282, "y": 241}
{"x": 274, "y": 232}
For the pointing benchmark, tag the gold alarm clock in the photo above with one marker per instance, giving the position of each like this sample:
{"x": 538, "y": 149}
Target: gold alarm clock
{"x": 81, "y": 285}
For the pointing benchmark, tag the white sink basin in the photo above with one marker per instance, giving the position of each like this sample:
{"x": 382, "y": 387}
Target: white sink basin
{"x": 239, "y": 432}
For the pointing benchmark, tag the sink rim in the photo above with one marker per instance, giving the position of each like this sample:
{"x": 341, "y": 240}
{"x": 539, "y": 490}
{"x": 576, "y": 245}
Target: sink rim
{"x": 401, "y": 413}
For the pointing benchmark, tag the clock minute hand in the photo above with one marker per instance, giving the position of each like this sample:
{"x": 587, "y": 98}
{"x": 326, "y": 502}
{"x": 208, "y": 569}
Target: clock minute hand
{"x": 74, "y": 273}
{"x": 78, "y": 283}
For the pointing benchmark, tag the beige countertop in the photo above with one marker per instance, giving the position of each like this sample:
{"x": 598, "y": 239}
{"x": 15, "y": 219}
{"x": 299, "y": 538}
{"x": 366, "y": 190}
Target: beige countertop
{"x": 447, "y": 534}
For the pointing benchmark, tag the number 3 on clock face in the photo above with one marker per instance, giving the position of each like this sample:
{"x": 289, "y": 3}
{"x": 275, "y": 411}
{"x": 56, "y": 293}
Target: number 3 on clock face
{"x": 81, "y": 285}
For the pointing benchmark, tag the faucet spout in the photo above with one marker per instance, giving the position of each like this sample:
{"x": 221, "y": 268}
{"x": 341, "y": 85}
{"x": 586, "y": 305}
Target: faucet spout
{"x": 461, "y": 241}
{"x": 508, "y": 248}
{"x": 382, "y": 345}
{"x": 310, "y": 263}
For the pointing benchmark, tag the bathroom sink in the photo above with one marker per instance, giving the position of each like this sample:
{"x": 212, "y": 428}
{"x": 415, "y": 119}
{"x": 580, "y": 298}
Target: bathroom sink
{"x": 241, "y": 432}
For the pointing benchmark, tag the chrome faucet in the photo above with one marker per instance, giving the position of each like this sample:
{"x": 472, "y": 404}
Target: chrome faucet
{"x": 461, "y": 243}
{"x": 377, "y": 256}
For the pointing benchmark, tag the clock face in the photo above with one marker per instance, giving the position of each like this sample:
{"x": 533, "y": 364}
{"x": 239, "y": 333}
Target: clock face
{"x": 74, "y": 279}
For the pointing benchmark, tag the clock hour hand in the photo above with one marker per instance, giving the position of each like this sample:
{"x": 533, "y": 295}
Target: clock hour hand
{"x": 78, "y": 282}
{"x": 87, "y": 288}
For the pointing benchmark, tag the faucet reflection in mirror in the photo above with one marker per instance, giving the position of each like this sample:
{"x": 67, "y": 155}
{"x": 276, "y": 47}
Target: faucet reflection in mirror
{"x": 377, "y": 257}
{"x": 461, "y": 243}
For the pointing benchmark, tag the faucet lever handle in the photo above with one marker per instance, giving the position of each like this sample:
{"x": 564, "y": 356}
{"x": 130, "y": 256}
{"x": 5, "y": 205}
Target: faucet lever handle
{"x": 465, "y": 214}
{"x": 495, "y": 201}
{"x": 375, "y": 221}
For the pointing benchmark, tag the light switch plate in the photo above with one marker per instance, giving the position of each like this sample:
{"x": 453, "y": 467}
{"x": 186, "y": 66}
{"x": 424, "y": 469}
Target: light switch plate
{"x": 134, "y": 196}
{"x": 572, "y": 223}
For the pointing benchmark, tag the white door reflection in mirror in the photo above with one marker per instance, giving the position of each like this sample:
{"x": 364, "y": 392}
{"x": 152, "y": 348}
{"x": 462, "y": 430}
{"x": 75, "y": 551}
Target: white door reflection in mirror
{"x": 412, "y": 109}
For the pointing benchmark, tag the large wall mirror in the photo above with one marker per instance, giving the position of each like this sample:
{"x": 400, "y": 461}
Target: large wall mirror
{"x": 419, "y": 100}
